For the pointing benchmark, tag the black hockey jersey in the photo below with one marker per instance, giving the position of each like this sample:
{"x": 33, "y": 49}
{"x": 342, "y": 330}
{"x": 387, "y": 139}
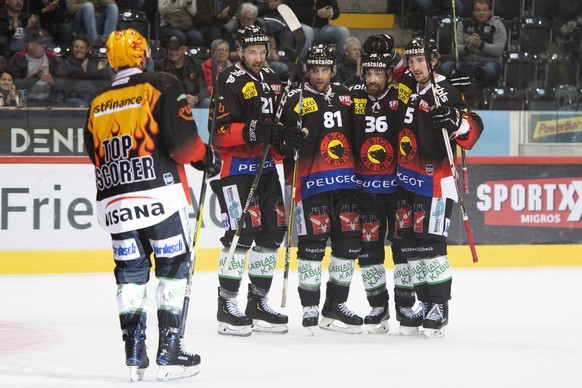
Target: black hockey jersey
{"x": 244, "y": 97}
{"x": 326, "y": 160}
{"x": 374, "y": 140}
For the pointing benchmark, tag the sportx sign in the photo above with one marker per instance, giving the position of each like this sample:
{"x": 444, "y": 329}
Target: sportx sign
{"x": 553, "y": 203}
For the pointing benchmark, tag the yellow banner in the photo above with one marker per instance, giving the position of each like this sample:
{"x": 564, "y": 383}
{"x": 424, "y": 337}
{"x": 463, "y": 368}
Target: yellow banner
{"x": 557, "y": 127}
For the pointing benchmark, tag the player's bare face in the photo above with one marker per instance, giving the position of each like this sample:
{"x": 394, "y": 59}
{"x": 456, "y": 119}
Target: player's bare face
{"x": 253, "y": 57}
{"x": 419, "y": 69}
{"x": 376, "y": 81}
{"x": 320, "y": 77}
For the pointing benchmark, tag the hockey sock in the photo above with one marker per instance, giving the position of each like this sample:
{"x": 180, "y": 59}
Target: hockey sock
{"x": 309, "y": 281}
{"x": 374, "y": 278}
{"x": 230, "y": 276}
{"x": 262, "y": 263}
{"x": 439, "y": 277}
{"x": 341, "y": 272}
{"x": 170, "y": 295}
{"x": 418, "y": 277}
{"x": 403, "y": 286}
{"x": 132, "y": 304}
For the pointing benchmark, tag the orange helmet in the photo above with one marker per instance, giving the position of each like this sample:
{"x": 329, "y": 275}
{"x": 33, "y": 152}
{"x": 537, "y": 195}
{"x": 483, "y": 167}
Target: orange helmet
{"x": 126, "y": 48}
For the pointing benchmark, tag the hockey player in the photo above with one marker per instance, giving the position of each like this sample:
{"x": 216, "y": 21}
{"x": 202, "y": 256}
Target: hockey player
{"x": 326, "y": 203}
{"x": 139, "y": 134}
{"x": 423, "y": 211}
{"x": 374, "y": 142}
{"x": 248, "y": 93}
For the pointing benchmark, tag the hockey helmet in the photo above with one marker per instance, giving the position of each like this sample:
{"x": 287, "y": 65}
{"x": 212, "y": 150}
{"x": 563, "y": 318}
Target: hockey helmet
{"x": 251, "y": 35}
{"x": 320, "y": 55}
{"x": 378, "y": 43}
{"x": 126, "y": 48}
{"x": 378, "y": 61}
{"x": 417, "y": 47}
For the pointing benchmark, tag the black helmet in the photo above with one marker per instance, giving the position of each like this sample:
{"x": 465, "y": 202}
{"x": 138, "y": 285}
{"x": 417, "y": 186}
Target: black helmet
{"x": 377, "y": 61}
{"x": 416, "y": 47}
{"x": 320, "y": 55}
{"x": 379, "y": 43}
{"x": 251, "y": 35}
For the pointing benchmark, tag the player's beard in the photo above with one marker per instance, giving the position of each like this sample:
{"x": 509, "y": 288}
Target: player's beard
{"x": 375, "y": 89}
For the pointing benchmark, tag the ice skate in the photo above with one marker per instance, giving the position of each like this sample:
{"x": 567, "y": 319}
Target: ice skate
{"x": 377, "y": 321}
{"x": 174, "y": 362}
{"x": 338, "y": 317}
{"x": 136, "y": 357}
{"x": 231, "y": 321}
{"x": 436, "y": 320}
{"x": 410, "y": 319}
{"x": 265, "y": 319}
{"x": 310, "y": 318}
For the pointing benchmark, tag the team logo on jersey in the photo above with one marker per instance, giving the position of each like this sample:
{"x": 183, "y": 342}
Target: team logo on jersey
{"x": 377, "y": 154}
{"x": 345, "y": 99}
{"x": 360, "y": 106}
{"x": 404, "y": 93}
{"x": 319, "y": 220}
{"x": 249, "y": 90}
{"x": 370, "y": 228}
{"x": 334, "y": 149}
{"x": 407, "y": 145}
{"x": 309, "y": 106}
{"x": 350, "y": 218}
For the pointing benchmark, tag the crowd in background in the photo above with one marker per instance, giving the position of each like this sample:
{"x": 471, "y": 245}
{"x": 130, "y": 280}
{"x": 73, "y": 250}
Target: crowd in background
{"x": 53, "y": 50}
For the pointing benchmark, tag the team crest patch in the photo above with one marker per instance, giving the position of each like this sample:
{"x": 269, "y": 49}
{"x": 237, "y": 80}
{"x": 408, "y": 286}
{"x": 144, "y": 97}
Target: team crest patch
{"x": 249, "y": 91}
{"x": 334, "y": 149}
{"x": 377, "y": 154}
{"x": 370, "y": 228}
{"x": 319, "y": 220}
{"x": 408, "y": 146}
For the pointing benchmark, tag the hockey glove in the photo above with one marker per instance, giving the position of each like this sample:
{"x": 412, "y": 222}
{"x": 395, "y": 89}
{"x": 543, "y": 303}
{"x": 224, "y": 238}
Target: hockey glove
{"x": 260, "y": 132}
{"x": 292, "y": 140}
{"x": 460, "y": 79}
{"x": 446, "y": 117}
{"x": 213, "y": 163}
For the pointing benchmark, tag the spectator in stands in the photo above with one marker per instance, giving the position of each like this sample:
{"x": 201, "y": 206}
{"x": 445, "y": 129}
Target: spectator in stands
{"x": 481, "y": 40}
{"x": 52, "y": 15}
{"x": 8, "y": 95}
{"x": 36, "y": 69}
{"x": 177, "y": 20}
{"x": 314, "y": 16}
{"x": 247, "y": 16}
{"x": 13, "y": 21}
{"x": 348, "y": 69}
{"x": 268, "y": 12}
{"x": 98, "y": 18}
{"x": 186, "y": 69}
{"x": 219, "y": 49}
{"x": 568, "y": 27}
{"x": 212, "y": 15}
{"x": 83, "y": 70}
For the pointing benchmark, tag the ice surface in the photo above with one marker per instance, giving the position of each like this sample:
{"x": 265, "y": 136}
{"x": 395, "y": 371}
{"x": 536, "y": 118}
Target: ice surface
{"x": 508, "y": 328}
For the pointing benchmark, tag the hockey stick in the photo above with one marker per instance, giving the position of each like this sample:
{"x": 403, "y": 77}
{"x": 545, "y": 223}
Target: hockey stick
{"x": 299, "y": 35}
{"x": 200, "y": 213}
{"x": 449, "y": 149}
{"x": 456, "y": 45}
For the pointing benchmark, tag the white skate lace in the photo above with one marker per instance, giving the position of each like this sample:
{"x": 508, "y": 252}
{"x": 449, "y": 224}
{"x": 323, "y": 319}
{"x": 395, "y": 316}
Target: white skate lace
{"x": 344, "y": 309}
{"x": 310, "y": 311}
{"x": 233, "y": 309}
{"x": 185, "y": 352}
{"x": 266, "y": 308}
{"x": 377, "y": 311}
{"x": 435, "y": 313}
